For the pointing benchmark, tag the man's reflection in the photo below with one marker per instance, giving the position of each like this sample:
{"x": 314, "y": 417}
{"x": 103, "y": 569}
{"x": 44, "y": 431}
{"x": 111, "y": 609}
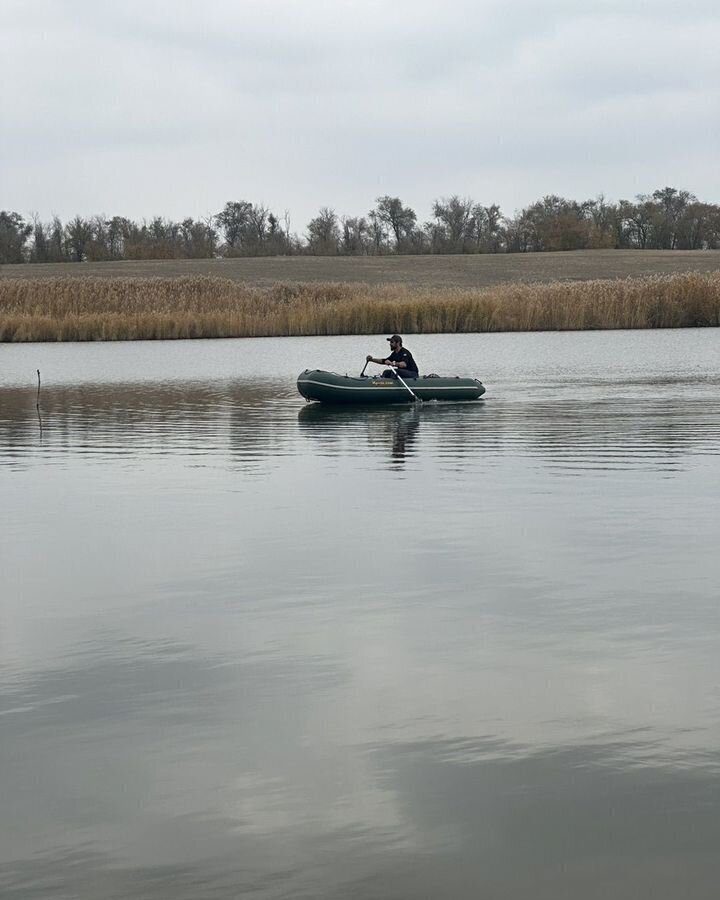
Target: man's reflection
{"x": 335, "y": 424}
{"x": 404, "y": 433}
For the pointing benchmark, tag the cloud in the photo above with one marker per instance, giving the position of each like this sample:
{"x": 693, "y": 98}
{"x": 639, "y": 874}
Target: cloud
{"x": 175, "y": 108}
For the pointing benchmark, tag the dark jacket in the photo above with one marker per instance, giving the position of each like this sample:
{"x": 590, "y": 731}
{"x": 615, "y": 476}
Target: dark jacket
{"x": 403, "y": 355}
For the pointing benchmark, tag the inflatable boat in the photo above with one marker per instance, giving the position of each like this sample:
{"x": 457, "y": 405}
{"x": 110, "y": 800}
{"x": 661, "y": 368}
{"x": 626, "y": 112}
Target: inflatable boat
{"x": 328, "y": 387}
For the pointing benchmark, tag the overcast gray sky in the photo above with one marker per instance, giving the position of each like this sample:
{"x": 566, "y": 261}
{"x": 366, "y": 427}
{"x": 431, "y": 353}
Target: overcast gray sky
{"x": 172, "y": 108}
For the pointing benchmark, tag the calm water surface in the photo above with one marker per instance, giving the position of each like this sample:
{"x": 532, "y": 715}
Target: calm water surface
{"x": 254, "y": 647}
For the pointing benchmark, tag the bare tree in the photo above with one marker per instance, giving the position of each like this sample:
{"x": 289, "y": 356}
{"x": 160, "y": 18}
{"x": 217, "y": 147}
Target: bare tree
{"x": 235, "y": 223}
{"x": 603, "y": 219}
{"x": 259, "y": 223}
{"x": 638, "y": 222}
{"x": 58, "y": 241}
{"x": 355, "y": 235}
{"x": 14, "y": 233}
{"x": 456, "y": 224}
{"x": 378, "y": 233}
{"x": 672, "y": 205}
{"x": 286, "y": 229}
{"x": 79, "y": 234}
{"x": 400, "y": 219}
{"x": 324, "y": 233}
{"x": 489, "y": 228}
{"x": 40, "y": 241}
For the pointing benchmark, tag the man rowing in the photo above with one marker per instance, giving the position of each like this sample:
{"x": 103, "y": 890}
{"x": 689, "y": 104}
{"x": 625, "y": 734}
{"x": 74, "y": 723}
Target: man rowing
{"x": 400, "y": 358}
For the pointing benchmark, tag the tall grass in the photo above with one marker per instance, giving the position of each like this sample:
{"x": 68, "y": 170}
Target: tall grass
{"x": 92, "y": 309}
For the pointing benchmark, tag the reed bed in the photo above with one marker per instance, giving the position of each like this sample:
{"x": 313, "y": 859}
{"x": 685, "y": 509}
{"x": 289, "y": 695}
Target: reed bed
{"x": 104, "y": 309}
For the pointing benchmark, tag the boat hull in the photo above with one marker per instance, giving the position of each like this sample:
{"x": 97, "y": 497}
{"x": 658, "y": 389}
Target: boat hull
{"x": 328, "y": 387}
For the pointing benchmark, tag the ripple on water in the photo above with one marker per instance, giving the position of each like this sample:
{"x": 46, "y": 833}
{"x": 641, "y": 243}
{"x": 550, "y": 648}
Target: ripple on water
{"x": 257, "y": 647}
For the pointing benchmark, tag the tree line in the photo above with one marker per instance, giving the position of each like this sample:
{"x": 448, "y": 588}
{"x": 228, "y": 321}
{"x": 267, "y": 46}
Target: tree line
{"x": 667, "y": 219}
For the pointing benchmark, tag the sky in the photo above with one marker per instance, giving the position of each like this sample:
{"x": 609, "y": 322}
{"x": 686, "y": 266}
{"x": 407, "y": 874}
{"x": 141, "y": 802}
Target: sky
{"x": 174, "y": 108}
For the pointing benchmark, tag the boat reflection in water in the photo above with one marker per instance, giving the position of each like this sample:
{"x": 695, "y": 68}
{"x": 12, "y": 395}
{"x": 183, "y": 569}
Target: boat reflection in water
{"x": 393, "y": 428}
{"x": 444, "y": 429}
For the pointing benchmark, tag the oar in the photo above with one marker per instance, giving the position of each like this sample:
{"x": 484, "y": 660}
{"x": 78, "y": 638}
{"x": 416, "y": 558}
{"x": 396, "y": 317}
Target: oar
{"x": 397, "y": 375}
{"x": 412, "y": 393}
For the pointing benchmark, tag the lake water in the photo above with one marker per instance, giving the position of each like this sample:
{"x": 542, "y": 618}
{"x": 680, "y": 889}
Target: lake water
{"x": 251, "y": 647}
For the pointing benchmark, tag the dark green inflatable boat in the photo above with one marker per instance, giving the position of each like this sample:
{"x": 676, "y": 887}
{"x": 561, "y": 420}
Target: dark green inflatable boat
{"x": 327, "y": 387}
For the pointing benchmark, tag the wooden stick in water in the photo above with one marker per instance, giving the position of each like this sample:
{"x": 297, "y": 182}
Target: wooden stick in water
{"x": 37, "y": 403}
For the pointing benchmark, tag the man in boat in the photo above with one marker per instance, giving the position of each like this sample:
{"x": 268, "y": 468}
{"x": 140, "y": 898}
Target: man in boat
{"x": 401, "y": 358}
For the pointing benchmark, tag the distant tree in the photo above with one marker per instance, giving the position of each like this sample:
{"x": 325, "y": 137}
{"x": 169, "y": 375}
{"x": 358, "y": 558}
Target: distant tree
{"x": 417, "y": 242}
{"x": 259, "y": 223}
{"x": 672, "y": 205}
{"x": 398, "y": 218}
{"x": 14, "y": 233}
{"x": 489, "y": 228}
{"x": 249, "y": 229}
{"x": 638, "y": 222}
{"x": 712, "y": 228}
{"x": 278, "y": 241}
{"x": 435, "y": 234}
{"x": 698, "y": 227}
{"x": 40, "y": 251}
{"x": 603, "y": 223}
{"x": 667, "y": 218}
{"x": 163, "y": 238}
{"x": 455, "y": 224}
{"x": 234, "y": 222}
{"x": 118, "y": 231}
{"x": 287, "y": 238}
{"x": 378, "y": 233}
{"x": 520, "y": 234}
{"x": 197, "y": 239}
{"x": 462, "y": 226}
{"x": 274, "y": 235}
{"x": 79, "y": 233}
{"x": 324, "y": 233}
{"x": 552, "y": 223}
{"x": 59, "y": 250}
{"x": 135, "y": 239}
{"x": 98, "y": 247}
{"x": 210, "y": 237}
{"x": 355, "y": 235}
{"x": 157, "y": 239}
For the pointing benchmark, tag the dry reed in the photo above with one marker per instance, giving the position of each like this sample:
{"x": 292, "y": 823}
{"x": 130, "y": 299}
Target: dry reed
{"x": 92, "y": 309}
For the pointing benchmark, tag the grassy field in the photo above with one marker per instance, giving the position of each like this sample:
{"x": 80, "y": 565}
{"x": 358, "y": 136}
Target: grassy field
{"x": 91, "y": 308}
{"x": 426, "y": 272}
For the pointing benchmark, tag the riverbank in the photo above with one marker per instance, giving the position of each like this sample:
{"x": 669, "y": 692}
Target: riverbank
{"x": 91, "y": 309}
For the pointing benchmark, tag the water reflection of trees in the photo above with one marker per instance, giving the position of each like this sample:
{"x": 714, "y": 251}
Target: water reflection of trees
{"x": 253, "y": 423}
{"x": 237, "y": 419}
{"x": 570, "y": 434}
